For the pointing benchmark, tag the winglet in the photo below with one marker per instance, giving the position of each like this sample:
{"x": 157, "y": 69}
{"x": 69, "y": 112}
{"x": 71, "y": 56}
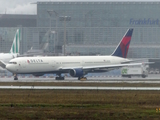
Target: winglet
{"x": 122, "y": 48}
{"x": 15, "y": 44}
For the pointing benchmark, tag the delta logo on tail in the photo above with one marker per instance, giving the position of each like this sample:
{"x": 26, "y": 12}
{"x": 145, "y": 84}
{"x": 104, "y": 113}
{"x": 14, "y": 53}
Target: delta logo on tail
{"x": 122, "y": 48}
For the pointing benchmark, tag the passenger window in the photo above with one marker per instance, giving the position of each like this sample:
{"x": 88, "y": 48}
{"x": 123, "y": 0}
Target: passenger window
{"x": 12, "y": 62}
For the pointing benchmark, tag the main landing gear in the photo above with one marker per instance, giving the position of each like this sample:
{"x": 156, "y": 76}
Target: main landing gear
{"x": 59, "y": 77}
{"x": 82, "y": 78}
{"x": 15, "y": 77}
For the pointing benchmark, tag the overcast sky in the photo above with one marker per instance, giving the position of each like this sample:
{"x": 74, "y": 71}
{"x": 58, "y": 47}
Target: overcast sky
{"x": 24, "y": 6}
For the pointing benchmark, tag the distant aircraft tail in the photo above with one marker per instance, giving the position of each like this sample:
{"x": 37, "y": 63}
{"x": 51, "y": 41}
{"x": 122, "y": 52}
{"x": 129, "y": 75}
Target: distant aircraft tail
{"x": 122, "y": 48}
{"x": 16, "y": 42}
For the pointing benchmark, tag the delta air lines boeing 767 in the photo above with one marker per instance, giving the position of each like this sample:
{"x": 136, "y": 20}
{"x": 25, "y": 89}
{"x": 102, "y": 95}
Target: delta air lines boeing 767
{"x": 76, "y": 66}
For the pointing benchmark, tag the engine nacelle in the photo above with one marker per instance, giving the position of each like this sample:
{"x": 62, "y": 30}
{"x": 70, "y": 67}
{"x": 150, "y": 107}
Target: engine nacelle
{"x": 78, "y": 72}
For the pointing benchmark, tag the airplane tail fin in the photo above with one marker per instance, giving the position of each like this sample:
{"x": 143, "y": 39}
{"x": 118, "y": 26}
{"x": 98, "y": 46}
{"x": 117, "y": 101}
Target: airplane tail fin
{"x": 122, "y": 48}
{"x": 16, "y": 43}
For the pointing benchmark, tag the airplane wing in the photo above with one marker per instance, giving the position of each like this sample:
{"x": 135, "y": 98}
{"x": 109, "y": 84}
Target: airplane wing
{"x": 116, "y": 66}
{"x": 2, "y": 64}
{"x": 106, "y": 66}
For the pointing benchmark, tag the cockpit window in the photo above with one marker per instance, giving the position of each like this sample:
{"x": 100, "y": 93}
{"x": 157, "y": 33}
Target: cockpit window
{"x": 12, "y": 62}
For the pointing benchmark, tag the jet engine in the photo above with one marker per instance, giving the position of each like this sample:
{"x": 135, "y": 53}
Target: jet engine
{"x": 76, "y": 72}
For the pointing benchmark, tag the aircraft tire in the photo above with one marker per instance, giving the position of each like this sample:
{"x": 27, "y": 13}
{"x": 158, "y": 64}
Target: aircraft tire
{"x": 59, "y": 78}
{"x": 143, "y": 76}
{"x": 15, "y": 78}
{"x": 82, "y": 78}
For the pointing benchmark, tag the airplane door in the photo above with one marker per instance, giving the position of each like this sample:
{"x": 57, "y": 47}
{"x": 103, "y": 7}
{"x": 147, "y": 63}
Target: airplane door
{"x": 18, "y": 66}
{"x": 22, "y": 64}
{"x": 53, "y": 63}
{"x": 82, "y": 63}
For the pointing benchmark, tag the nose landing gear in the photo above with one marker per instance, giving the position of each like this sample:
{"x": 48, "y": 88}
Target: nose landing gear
{"x": 15, "y": 77}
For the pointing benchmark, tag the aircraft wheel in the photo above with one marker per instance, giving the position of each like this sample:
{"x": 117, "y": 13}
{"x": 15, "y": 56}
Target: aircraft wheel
{"x": 143, "y": 76}
{"x": 82, "y": 78}
{"x": 129, "y": 76}
{"x": 15, "y": 78}
{"x": 59, "y": 78}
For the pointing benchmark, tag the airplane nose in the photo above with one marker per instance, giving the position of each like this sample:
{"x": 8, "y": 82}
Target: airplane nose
{"x": 9, "y": 68}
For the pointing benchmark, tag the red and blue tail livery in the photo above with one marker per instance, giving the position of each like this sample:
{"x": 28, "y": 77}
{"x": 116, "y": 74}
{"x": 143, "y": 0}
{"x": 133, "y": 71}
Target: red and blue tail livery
{"x": 122, "y": 48}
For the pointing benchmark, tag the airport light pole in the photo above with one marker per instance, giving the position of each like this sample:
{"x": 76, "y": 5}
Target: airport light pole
{"x": 64, "y": 18}
{"x": 50, "y": 12}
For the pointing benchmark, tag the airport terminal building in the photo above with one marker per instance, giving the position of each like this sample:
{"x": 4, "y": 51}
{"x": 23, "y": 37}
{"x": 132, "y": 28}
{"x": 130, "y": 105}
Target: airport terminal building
{"x": 88, "y": 28}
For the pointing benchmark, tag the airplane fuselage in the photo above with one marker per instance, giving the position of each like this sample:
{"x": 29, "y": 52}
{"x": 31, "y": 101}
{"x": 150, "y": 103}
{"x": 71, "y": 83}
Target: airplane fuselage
{"x": 30, "y": 65}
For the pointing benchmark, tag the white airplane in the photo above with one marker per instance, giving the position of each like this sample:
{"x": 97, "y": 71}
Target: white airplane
{"x": 14, "y": 51}
{"x": 76, "y": 66}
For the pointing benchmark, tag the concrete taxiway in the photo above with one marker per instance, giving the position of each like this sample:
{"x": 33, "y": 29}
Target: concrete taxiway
{"x": 151, "y": 79}
{"x": 89, "y": 80}
{"x": 78, "y": 88}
